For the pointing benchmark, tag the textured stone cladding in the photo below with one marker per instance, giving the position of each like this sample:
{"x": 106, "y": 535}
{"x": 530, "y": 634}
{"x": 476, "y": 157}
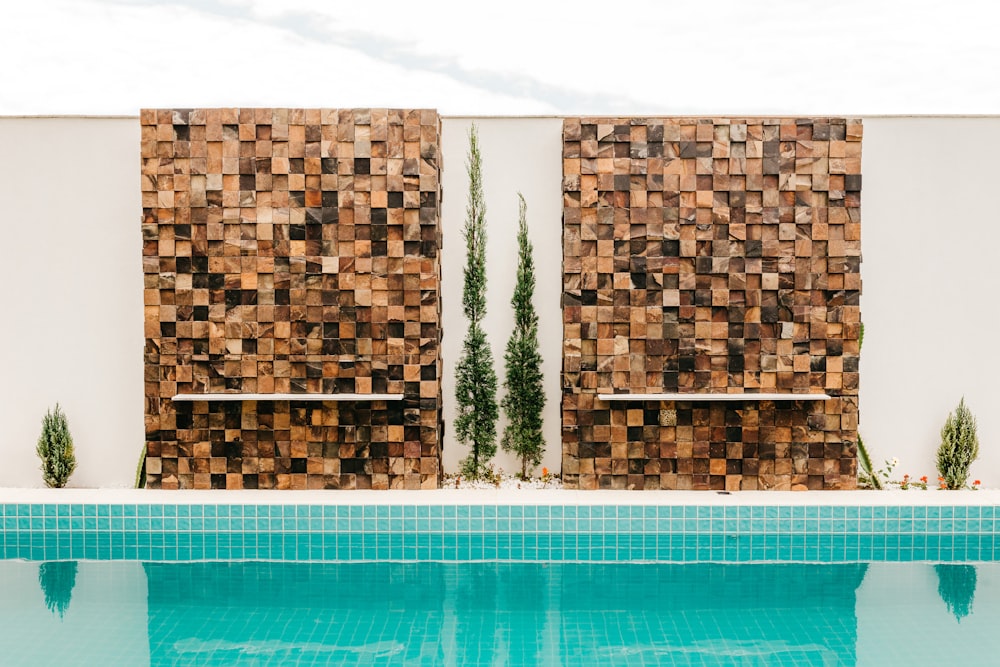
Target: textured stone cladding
{"x": 711, "y": 255}
{"x": 292, "y": 251}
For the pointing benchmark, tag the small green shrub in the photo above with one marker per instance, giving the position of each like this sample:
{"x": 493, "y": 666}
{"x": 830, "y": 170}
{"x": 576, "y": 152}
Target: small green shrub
{"x": 55, "y": 449}
{"x": 959, "y": 447}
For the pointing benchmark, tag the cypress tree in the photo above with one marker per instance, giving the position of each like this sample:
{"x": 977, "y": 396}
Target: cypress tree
{"x": 525, "y": 398}
{"x": 476, "y": 384}
{"x": 55, "y": 449}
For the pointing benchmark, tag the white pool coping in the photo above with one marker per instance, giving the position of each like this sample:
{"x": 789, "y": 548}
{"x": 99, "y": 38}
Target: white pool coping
{"x": 499, "y": 497}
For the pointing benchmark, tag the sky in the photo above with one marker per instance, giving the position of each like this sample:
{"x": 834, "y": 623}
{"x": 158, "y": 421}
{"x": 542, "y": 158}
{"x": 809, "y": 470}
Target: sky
{"x": 517, "y": 57}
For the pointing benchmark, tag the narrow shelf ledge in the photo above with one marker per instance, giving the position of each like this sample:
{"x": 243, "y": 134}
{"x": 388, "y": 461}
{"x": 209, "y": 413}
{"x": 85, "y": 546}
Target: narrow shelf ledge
{"x": 714, "y": 397}
{"x": 287, "y": 397}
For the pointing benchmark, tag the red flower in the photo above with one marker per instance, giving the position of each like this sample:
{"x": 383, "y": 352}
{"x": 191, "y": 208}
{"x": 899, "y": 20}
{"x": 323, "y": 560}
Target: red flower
{"x": 976, "y": 483}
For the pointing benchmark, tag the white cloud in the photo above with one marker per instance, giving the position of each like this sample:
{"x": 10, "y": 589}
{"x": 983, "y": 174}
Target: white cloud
{"x": 515, "y": 57}
{"x": 84, "y": 56}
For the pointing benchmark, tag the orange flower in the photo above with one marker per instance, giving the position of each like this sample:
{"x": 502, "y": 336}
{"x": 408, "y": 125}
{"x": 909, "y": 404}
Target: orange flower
{"x": 924, "y": 479}
{"x": 976, "y": 483}
{"x": 545, "y": 472}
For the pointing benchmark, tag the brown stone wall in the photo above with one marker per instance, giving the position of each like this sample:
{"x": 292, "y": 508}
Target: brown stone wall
{"x": 711, "y": 255}
{"x": 292, "y": 251}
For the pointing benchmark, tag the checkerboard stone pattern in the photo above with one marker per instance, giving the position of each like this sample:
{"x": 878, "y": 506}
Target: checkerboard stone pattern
{"x": 292, "y": 251}
{"x": 711, "y": 255}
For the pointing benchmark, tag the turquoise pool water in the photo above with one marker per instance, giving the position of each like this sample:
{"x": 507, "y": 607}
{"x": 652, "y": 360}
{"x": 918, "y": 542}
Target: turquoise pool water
{"x": 309, "y": 614}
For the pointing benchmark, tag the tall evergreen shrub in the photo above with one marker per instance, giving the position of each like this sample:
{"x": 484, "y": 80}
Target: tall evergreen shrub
{"x": 959, "y": 447}
{"x": 55, "y": 449}
{"x": 525, "y": 398}
{"x": 476, "y": 382}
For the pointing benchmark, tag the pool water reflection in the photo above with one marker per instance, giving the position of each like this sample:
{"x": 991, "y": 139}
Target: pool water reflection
{"x": 254, "y": 613}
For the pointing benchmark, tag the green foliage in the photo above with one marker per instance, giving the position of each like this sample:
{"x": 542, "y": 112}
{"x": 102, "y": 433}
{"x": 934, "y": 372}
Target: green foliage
{"x": 477, "y": 403}
{"x": 957, "y": 588}
{"x": 868, "y": 477}
{"x": 140, "y": 471}
{"x": 55, "y": 449}
{"x": 476, "y": 382}
{"x": 57, "y": 579}
{"x": 525, "y": 397}
{"x": 959, "y": 447}
{"x": 491, "y": 476}
{"x": 474, "y": 232}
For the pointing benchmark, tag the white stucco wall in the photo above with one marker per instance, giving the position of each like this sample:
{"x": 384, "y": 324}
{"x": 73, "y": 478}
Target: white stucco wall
{"x": 71, "y": 281}
{"x": 929, "y": 239}
{"x": 518, "y": 155}
{"x": 71, "y": 294}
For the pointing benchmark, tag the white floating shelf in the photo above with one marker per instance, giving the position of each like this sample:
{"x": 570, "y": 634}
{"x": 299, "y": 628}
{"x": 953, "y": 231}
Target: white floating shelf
{"x": 288, "y": 397}
{"x": 714, "y": 397}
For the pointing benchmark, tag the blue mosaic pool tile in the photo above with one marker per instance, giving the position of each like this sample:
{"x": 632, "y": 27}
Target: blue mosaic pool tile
{"x": 487, "y": 532}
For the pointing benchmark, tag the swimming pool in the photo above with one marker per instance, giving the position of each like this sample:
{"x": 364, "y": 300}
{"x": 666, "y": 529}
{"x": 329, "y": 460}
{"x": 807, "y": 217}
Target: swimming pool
{"x": 143, "y": 581}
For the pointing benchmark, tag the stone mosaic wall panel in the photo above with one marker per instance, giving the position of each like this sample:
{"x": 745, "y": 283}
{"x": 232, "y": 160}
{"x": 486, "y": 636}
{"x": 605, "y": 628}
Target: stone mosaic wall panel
{"x": 292, "y": 251}
{"x": 711, "y": 255}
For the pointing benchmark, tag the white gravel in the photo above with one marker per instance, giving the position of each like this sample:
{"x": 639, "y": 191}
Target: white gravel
{"x": 503, "y": 481}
